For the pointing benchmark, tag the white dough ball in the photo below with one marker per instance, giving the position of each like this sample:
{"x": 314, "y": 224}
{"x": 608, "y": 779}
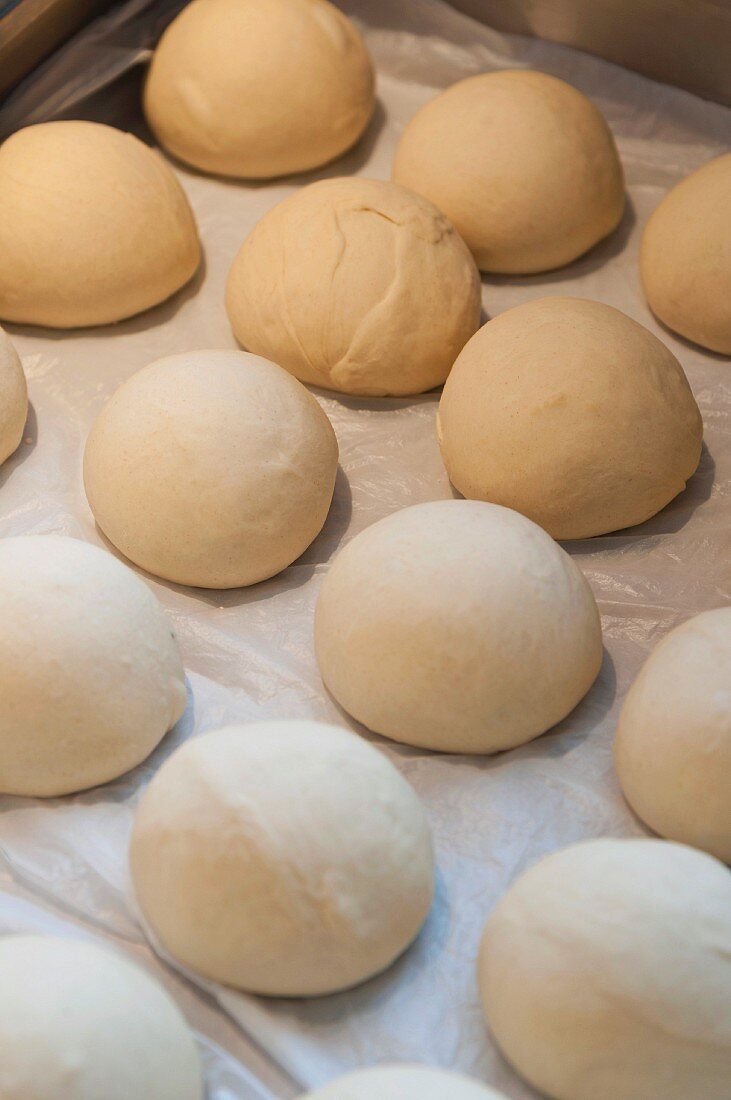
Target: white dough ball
{"x": 13, "y": 398}
{"x": 673, "y": 745}
{"x": 404, "y": 1083}
{"x": 282, "y": 858}
{"x": 90, "y": 674}
{"x": 95, "y": 227}
{"x": 81, "y": 1023}
{"x": 211, "y": 468}
{"x": 573, "y": 414}
{"x": 685, "y": 259}
{"x": 259, "y": 88}
{"x": 356, "y": 285}
{"x": 605, "y": 973}
{"x": 457, "y": 625}
{"x": 523, "y": 165}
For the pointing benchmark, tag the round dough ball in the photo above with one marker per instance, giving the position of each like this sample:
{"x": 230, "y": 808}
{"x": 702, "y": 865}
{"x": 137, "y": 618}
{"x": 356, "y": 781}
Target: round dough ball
{"x": 90, "y": 674}
{"x": 404, "y": 1083}
{"x": 81, "y": 1023}
{"x": 356, "y": 285}
{"x": 605, "y": 972}
{"x": 283, "y": 858}
{"x": 673, "y": 745}
{"x": 457, "y": 625}
{"x": 211, "y": 468}
{"x": 571, "y": 413}
{"x": 13, "y": 398}
{"x": 523, "y": 164}
{"x": 259, "y": 88}
{"x": 95, "y": 227}
{"x": 685, "y": 259}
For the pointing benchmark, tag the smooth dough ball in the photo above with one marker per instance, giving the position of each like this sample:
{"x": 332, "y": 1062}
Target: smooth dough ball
{"x": 13, "y": 398}
{"x": 685, "y": 259}
{"x": 673, "y": 745}
{"x": 404, "y": 1083}
{"x": 356, "y": 285}
{"x": 211, "y": 468}
{"x": 457, "y": 625}
{"x": 523, "y": 164}
{"x": 259, "y": 88}
{"x": 90, "y": 674}
{"x": 80, "y": 1023}
{"x": 605, "y": 972}
{"x": 282, "y": 858}
{"x": 571, "y": 413}
{"x": 94, "y": 228}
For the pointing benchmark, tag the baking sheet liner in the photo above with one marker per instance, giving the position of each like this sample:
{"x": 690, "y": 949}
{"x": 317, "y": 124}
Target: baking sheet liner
{"x": 249, "y": 652}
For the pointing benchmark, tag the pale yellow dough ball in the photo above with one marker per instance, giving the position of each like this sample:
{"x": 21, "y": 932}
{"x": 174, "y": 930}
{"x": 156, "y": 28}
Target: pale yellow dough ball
{"x": 94, "y": 226}
{"x": 404, "y": 1082}
{"x": 356, "y": 285}
{"x": 259, "y": 88}
{"x": 572, "y": 413}
{"x": 523, "y": 165}
{"x": 13, "y": 398}
{"x": 685, "y": 259}
{"x": 211, "y": 468}
{"x": 284, "y": 858}
{"x": 673, "y": 745}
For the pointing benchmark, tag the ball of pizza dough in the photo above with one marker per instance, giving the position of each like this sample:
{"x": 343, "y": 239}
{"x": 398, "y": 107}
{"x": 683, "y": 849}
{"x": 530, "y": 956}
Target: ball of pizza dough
{"x": 259, "y": 88}
{"x": 685, "y": 258}
{"x": 406, "y": 1082}
{"x": 13, "y": 398}
{"x": 95, "y": 227}
{"x": 605, "y": 972}
{"x": 570, "y": 412}
{"x": 673, "y": 745}
{"x": 80, "y": 1023}
{"x": 457, "y": 625}
{"x": 356, "y": 285}
{"x": 523, "y": 165}
{"x": 282, "y": 858}
{"x": 211, "y": 468}
{"x": 90, "y": 674}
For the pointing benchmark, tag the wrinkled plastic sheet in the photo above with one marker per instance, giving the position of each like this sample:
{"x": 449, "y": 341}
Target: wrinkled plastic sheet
{"x": 249, "y": 653}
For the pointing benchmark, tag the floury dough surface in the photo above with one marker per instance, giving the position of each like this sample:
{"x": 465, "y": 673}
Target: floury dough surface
{"x": 249, "y": 652}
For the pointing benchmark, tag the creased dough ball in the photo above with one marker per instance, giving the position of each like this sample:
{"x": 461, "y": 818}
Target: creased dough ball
{"x": 283, "y": 858}
{"x": 404, "y": 1083}
{"x": 211, "y": 468}
{"x": 259, "y": 88}
{"x": 605, "y": 973}
{"x": 685, "y": 259}
{"x": 570, "y": 412}
{"x": 457, "y": 625}
{"x": 673, "y": 745}
{"x": 13, "y": 398}
{"x": 356, "y": 285}
{"x": 81, "y": 1023}
{"x": 90, "y": 674}
{"x": 523, "y": 164}
{"x": 94, "y": 227}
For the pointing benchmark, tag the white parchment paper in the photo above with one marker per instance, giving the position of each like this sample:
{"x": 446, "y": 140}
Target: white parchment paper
{"x": 249, "y": 652}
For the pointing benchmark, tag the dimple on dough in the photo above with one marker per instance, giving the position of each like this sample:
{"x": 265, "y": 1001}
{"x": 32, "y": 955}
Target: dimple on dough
{"x": 13, "y": 398}
{"x": 356, "y": 285}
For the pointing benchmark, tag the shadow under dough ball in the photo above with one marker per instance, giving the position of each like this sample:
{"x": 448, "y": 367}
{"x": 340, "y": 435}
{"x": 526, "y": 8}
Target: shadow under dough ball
{"x": 212, "y": 468}
{"x": 94, "y": 226}
{"x": 13, "y": 398}
{"x": 357, "y": 285}
{"x": 523, "y": 165}
{"x": 685, "y": 258}
{"x": 404, "y": 1082}
{"x": 605, "y": 972}
{"x": 457, "y": 625}
{"x": 259, "y": 88}
{"x": 573, "y": 414}
{"x": 289, "y": 859}
{"x": 673, "y": 746}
